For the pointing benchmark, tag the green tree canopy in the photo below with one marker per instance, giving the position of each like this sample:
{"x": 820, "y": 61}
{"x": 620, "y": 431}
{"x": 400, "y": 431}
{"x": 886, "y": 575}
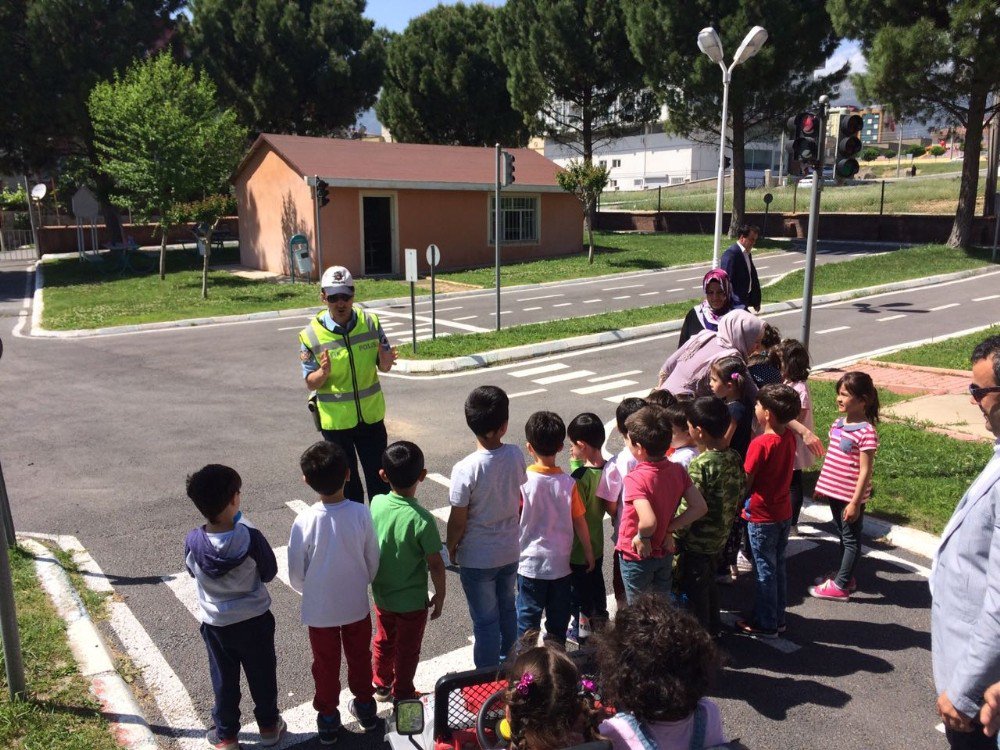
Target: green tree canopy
{"x": 938, "y": 57}
{"x": 162, "y": 139}
{"x": 307, "y": 67}
{"x": 572, "y": 74}
{"x": 765, "y": 90}
{"x": 444, "y": 85}
{"x": 586, "y": 182}
{"x": 54, "y": 52}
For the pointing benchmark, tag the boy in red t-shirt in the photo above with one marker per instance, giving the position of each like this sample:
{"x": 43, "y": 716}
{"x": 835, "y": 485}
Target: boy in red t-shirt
{"x": 769, "y": 464}
{"x": 652, "y": 492}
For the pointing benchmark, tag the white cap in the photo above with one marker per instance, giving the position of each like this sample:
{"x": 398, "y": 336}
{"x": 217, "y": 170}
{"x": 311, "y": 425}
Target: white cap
{"x": 337, "y": 280}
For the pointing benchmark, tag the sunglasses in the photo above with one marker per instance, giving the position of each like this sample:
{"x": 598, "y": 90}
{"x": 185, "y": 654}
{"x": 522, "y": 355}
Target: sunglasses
{"x": 339, "y": 297}
{"x": 978, "y": 394}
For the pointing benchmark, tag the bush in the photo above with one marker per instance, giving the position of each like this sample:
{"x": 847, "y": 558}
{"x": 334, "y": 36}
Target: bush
{"x": 870, "y": 153}
{"x": 890, "y": 153}
{"x": 937, "y": 151}
{"x": 13, "y": 200}
{"x": 915, "y": 151}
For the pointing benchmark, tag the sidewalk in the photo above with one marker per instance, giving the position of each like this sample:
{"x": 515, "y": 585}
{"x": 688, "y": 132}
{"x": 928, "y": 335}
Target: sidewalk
{"x": 942, "y": 396}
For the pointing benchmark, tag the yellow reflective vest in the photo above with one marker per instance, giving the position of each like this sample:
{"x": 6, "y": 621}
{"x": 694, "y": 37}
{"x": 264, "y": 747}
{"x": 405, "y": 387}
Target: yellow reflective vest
{"x": 352, "y": 393}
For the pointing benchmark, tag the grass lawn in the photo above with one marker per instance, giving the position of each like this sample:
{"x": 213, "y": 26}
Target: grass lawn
{"x": 79, "y": 295}
{"x": 59, "y": 712}
{"x": 833, "y": 277}
{"x": 919, "y": 476}
{"x": 953, "y": 353}
{"x": 938, "y": 195}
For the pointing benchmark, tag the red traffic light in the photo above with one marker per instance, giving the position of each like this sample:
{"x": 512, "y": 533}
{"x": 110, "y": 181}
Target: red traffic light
{"x": 850, "y": 125}
{"x": 808, "y": 123}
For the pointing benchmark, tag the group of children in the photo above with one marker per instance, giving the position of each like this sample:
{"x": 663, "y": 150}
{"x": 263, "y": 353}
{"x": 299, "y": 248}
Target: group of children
{"x": 529, "y": 543}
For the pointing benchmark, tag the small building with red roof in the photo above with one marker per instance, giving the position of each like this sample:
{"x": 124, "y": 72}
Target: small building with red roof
{"x": 386, "y": 197}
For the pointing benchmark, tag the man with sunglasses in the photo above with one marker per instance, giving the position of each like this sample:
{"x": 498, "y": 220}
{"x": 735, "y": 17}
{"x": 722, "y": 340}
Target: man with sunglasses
{"x": 965, "y": 580}
{"x": 342, "y": 350}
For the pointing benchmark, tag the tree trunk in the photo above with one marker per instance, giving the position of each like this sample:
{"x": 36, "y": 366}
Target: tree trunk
{"x": 738, "y": 215}
{"x": 961, "y": 228}
{"x": 992, "y": 159}
{"x": 587, "y": 128}
{"x": 163, "y": 252}
{"x": 589, "y": 214}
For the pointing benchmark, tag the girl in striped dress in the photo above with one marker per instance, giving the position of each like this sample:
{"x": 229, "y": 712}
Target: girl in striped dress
{"x": 845, "y": 481}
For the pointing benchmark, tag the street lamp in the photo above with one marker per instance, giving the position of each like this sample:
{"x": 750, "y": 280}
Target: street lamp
{"x": 711, "y": 45}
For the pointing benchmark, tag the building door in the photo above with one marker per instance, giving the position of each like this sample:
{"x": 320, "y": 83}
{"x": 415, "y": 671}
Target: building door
{"x": 377, "y": 237}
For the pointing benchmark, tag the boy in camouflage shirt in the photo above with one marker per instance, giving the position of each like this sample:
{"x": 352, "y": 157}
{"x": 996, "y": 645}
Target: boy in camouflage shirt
{"x": 718, "y": 473}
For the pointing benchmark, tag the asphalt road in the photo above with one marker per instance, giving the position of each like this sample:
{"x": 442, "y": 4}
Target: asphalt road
{"x": 99, "y": 434}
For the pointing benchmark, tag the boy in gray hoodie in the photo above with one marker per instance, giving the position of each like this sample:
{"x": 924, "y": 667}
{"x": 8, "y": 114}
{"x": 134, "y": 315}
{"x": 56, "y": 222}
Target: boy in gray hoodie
{"x": 231, "y": 561}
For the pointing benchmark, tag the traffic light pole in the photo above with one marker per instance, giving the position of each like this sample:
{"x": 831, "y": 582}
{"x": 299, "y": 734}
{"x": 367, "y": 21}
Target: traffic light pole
{"x": 807, "y": 289}
{"x": 319, "y": 242}
{"x": 496, "y": 232}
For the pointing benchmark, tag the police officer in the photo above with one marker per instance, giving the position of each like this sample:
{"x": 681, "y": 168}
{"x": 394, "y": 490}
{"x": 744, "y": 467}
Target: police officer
{"x": 342, "y": 350}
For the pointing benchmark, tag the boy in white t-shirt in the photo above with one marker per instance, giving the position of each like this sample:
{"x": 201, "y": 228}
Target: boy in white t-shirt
{"x": 683, "y": 448}
{"x": 332, "y": 557}
{"x": 482, "y": 527}
{"x": 612, "y": 482}
{"x": 551, "y": 510}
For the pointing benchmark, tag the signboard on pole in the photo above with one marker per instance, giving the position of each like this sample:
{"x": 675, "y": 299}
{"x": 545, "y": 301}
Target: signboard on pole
{"x": 410, "y": 255}
{"x": 433, "y": 258}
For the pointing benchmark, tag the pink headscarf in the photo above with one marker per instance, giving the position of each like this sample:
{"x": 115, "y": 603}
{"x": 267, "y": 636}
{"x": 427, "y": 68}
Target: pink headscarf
{"x": 706, "y": 314}
{"x": 687, "y": 368}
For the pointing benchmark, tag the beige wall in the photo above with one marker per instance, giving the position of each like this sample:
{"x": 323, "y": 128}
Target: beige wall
{"x": 275, "y": 203}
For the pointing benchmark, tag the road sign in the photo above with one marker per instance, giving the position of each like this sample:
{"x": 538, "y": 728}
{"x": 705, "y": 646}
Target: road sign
{"x": 433, "y": 255}
{"x": 411, "y": 265}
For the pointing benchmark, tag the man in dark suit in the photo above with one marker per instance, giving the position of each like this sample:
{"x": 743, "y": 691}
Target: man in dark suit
{"x": 738, "y": 263}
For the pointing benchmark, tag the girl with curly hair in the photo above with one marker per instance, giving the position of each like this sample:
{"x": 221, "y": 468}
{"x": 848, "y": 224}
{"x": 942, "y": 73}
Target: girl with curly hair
{"x": 549, "y": 705}
{"x": 656, "y": 663}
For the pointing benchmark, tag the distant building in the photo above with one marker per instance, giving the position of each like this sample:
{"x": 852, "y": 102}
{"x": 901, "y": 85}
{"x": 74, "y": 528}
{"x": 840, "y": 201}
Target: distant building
{"x": 385, "y": 197}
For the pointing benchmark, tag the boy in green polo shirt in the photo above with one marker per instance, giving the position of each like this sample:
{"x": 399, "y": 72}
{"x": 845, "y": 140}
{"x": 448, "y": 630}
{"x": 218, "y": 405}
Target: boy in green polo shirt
{"x": 409, "y": 544}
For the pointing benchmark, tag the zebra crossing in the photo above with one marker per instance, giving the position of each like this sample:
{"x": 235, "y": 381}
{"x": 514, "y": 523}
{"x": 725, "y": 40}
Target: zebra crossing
{"x": 583, "y": 382}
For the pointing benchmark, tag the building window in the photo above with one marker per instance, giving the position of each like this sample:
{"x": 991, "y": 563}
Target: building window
{"x": 519, "y": 218}
{"x": 613, "y": 184}
{"x": 603, "y": 163}
{"x": 637, "y": 183}
{"x": 616, "y": 163}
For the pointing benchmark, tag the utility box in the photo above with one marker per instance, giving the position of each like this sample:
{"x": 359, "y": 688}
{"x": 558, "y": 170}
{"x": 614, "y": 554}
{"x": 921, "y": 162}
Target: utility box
{"x": 299, "y": 248}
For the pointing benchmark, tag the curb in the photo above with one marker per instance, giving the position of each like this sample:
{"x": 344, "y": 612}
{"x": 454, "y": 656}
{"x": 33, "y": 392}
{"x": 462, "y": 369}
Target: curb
{"x": 128, "y": 723}
{"x": 903, "y": 537}
{"x": 530, "y": 351}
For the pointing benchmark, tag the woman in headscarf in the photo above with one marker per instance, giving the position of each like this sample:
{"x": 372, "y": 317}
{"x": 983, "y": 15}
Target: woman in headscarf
{"x": 686, "y": 370}
{"x": 705, "y": 316}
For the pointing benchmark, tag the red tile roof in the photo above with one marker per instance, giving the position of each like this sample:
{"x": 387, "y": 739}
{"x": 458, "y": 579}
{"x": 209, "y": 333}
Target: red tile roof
{"x": 353, "y": 163}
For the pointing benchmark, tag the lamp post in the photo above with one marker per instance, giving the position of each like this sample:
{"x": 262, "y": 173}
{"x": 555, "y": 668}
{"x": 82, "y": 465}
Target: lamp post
{"x": 711, "y": 45}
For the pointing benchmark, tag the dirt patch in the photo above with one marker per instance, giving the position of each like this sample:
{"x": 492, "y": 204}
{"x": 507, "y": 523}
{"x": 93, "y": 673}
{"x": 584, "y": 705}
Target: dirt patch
{"x": 440, "y": 285}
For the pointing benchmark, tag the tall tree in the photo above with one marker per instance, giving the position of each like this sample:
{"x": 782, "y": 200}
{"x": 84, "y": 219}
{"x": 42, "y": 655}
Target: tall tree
{"x": 307, "y": 67}
{"x": 572, "y": 74}
{"x": 444, "y": 85}
{"x": 938, "y": 57}
{"x": 764, "y": 90}
{"x": 163, "y": 140}
{"x": 54, "y": 53}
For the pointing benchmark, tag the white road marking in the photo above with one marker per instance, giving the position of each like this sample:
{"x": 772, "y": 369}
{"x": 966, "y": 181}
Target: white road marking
{"x": 944, "y": 307}
{"x": 890, "y": 317}
{"x": 440, "y": 479}
{"x": 538, "y": 370}
{"x": 502, "y": 312}
{"x": 622, "y": 396}
{"x": 588, "y": 301}
{"x": 549, "y": 379}
{"x": 760, "y": 268}
{"x": 832, "y": 330}
{"x": 530, "y": 309}
{"x": 798, "y": 262}
{"x": 544, "y": 296}
{"x": 983, "y": 299}
{"x": 625, "y": 286}
{"x": 526, "y": 393}
{"x": 447, "y": 309}
{"x": 466, "y": 317}
{"x": 441, "y": 513}
{"x": 678, "y": 289}
{"x": 696, "y": 287}
{"x": 603, "y": 387}
{"x": 295, "y": 328}
{"x": 616, "y": 375}
{"x": 298, "y": 506}
{"x": 692, "y": 278}
{"x": 563, "y": 304}
{"x": 425, "y": 319}
{"x": 623, "y": 296}
{"x": 647, "y": 294}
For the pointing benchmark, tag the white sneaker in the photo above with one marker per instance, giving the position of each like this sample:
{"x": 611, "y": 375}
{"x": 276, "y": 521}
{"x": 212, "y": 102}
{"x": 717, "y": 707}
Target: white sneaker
{"x": 743, "y": 564}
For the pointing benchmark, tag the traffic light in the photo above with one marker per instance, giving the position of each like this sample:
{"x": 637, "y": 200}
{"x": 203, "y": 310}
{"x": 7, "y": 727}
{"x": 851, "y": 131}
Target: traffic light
{"x": 804, "y": 131}
{"x": 322, "y": 192}
{"x": 507, "y": 171}
{"x": 848, "y": 145}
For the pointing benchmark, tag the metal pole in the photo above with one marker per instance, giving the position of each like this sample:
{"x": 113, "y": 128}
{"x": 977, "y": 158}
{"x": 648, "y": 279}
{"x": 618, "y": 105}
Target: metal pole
{"x": 899, "y": 145}
{"x": 31, "y": 214}
{"x": 807, "y": 290}
{"x": 6, "y": 519}
{"x": 496, "y": 232}
{"x": 781, "y": 157}
{"x": 433, "y": 303}
{"x": 720, "y": 186}
{"x": 8, "y": 629}
{"x": 996, "y": 233}
{"x": 659, "y": 191}
{"x": 881, "y": 200}
{"x": 413, "y": 316}
{"x": 319, "y": 241}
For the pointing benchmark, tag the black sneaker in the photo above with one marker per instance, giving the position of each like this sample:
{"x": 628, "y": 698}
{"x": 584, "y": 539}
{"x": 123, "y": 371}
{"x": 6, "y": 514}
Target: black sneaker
{"x": 365, "y": 713}
{"x": 383, "y": 694}
{"x": 751, "y": 628}
{"x": 329, "y": 728}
